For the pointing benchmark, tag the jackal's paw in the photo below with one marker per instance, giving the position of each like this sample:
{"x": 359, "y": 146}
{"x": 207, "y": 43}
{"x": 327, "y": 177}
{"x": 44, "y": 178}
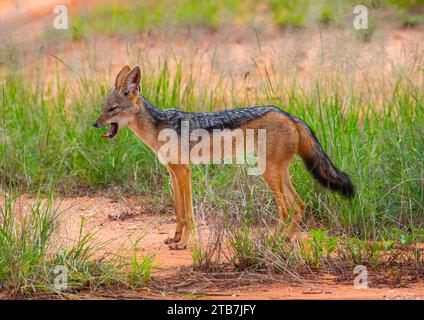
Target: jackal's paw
{"x": 177, "y": 246}
{"x": 172, "y": 240}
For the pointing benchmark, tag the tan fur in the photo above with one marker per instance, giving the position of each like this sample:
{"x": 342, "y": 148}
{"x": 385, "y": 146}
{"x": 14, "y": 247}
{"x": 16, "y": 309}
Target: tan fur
{"x": 121, "y": 76}
{"x": 282, "y": 146}
{"x": 283, "y": 138}
{"x": 306, "y": 146}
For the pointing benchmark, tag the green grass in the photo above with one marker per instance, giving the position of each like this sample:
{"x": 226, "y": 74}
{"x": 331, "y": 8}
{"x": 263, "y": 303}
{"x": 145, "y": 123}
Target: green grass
{"x": 150, "y": 15}
{"x": 146, "y": 15}
{"x": 31, "y": 264}
{"x": 23, "y": 244}
{"x": 253, "y": 249}
{"x": 260, "y": 247}
{"x": 50, "y": 138}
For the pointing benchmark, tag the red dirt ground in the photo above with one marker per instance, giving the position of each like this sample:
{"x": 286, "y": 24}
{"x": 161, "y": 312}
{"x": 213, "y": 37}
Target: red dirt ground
{"x": 116, "y": 222}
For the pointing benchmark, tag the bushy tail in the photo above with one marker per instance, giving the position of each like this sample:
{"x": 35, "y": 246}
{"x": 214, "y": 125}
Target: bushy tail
{"x": 317, "y": 162}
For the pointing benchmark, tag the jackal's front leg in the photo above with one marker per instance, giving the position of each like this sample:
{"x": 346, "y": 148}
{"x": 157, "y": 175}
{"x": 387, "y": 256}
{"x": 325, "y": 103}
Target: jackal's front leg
{"x": 183, "y": 185}
{"x": 178, "y": 206}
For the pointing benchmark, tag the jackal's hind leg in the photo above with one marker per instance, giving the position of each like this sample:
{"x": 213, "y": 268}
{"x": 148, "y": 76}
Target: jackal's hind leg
{"x": 295, "y": 205}
{"x": 273, "y": 176}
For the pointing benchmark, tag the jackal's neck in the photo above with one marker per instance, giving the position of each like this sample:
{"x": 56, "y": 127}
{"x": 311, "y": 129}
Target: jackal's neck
{"x": 146, "y": 123}
{"x": 154, "y": 113}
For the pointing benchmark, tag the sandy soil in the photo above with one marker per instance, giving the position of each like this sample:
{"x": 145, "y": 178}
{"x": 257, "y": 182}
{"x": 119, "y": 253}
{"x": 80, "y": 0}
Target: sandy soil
{"x": 119, "y": 222}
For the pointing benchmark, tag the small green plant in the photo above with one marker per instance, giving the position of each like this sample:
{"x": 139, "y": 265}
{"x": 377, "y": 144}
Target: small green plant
{"x": 319, "y": 246}
{"x": 83, "y": 270}
{"x": 244, "y": 245}
{"x": 355, "y": 251}
{"x": 141, "y": 266}
{"x": 200, "y": 257}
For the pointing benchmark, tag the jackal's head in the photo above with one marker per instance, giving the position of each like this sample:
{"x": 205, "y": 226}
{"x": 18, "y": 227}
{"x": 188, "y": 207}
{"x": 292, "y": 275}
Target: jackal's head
{"x": 120, "y": 106}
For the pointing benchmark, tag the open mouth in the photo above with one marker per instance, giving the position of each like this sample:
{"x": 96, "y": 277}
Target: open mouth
{"x": 112, "y": 131}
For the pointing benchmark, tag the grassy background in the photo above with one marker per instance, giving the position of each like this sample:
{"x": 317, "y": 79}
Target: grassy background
{"x": 150, "y": 15}
{"x": 45, "y": 143}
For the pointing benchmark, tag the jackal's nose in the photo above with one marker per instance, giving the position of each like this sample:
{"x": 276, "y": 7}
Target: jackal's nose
{"x": 96, "y": 124}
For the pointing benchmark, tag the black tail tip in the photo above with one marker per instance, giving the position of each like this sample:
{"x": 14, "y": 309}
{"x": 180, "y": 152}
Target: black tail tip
{"x": 347, "y": 189}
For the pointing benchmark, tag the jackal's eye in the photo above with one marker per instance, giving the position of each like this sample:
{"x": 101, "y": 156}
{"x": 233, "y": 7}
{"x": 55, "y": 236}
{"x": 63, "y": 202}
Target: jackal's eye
{"x": 112, "y": 109}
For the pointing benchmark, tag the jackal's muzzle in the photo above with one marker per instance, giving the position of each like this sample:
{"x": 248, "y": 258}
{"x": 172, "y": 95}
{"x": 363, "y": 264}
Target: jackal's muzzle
{"x": 99, "y": 124}
{"x": 114, "y": 127}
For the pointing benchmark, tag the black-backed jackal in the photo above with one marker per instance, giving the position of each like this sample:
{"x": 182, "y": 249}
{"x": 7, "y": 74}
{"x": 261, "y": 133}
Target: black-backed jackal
{"x": 286, "y": 136}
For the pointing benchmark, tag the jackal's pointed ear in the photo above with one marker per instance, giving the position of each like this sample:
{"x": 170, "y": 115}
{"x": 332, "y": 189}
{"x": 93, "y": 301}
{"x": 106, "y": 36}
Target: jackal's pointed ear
{"x": 121, "y": 76}
{"x": 132, "y": 81}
